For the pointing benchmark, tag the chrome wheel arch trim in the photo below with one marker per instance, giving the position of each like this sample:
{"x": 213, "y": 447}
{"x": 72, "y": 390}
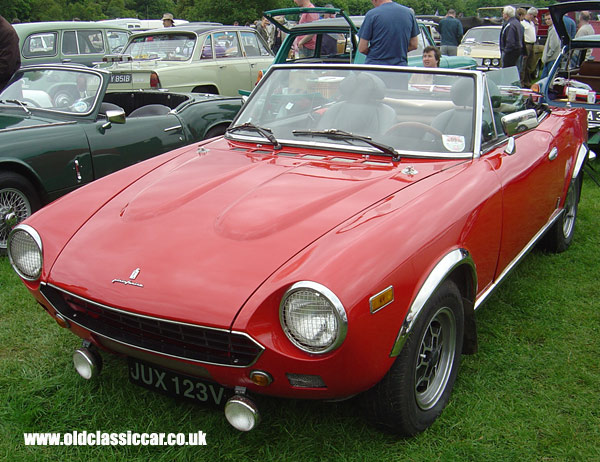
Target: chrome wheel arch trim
{"x": 582, "y": 153}
{"x": 437, "y": 276}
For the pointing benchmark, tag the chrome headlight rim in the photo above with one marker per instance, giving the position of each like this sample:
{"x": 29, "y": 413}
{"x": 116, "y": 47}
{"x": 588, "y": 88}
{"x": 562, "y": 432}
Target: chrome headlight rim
{"x": 338, "y": 310}
{"x": 38, "y": 241}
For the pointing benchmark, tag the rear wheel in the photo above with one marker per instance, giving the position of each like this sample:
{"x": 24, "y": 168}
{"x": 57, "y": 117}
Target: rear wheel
{"x": 418, "y": 385}
{"x": 216, "y": 131}
{"x": 18, "y": 200}
{"x": 560, "y": 235}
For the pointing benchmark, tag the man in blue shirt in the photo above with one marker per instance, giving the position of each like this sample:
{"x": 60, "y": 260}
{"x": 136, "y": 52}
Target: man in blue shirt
{"x": 388, "y": 33}
{"x": 570, "y": 25}
{"x": 451, "y": 32}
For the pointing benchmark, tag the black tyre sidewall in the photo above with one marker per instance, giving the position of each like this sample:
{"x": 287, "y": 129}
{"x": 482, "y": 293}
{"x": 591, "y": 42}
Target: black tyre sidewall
{"x": 391, "y": 405}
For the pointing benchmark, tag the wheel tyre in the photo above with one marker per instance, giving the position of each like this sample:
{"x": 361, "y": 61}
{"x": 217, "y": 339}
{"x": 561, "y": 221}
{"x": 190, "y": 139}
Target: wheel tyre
{"x": 215, "y": 131}
{"x": 18, "y": 200}
{"x": 418, "y": 385}
{"x": 560, "y": 235}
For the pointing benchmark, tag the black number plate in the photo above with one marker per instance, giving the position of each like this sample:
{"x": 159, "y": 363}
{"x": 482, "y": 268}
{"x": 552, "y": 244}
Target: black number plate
{"x": 175, "y": 384}
{"x": 593, "y": 116}
{"x": 120, "y": 78}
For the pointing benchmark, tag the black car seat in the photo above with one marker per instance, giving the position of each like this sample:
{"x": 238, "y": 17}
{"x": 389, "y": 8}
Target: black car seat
{"x": 150, "y": 110}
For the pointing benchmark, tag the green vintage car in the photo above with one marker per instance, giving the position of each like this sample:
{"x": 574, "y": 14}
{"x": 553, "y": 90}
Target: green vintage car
{"x": 81, "y": 42}
{"x": 59, "y": 130}
{"x": 344, "y": 30}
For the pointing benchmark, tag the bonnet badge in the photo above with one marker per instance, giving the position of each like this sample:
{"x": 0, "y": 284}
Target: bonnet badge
{"x": 134, "y": 274}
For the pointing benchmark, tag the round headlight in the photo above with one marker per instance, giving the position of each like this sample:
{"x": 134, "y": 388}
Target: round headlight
{"x": 25, "y": 252}
{"x": 495, "y": 62}
{"x": 313, "y": 318}
{"x": 487, "y": 62}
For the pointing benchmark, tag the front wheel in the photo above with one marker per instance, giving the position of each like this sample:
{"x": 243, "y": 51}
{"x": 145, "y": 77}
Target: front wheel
{"x": 418, "y": 385}
{"x": 18, "y": 200}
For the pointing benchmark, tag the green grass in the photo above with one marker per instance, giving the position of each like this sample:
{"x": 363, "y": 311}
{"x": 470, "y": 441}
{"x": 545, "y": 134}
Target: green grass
{"x": 531, "y": 393}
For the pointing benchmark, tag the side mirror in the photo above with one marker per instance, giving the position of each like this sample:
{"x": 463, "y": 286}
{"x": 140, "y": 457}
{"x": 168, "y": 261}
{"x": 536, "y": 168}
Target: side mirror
{"x": 113, "y": 116}
{"x": 518, "y": 122}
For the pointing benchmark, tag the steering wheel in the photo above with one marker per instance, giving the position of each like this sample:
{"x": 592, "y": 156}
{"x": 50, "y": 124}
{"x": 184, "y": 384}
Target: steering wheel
{"x": 411, "y": 127}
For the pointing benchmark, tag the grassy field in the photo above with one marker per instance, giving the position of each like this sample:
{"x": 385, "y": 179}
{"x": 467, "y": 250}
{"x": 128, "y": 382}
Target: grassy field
{"x": 531, "y": 393}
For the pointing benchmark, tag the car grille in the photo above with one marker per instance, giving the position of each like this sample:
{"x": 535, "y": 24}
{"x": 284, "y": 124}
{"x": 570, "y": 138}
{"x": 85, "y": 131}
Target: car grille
{"x": 170, "y": 338}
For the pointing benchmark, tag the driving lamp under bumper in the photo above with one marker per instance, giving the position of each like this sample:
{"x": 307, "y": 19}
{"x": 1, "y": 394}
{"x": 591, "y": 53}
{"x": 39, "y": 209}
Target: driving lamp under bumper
{"x": 241, "y": 413}
{"x": 87, "y": 362}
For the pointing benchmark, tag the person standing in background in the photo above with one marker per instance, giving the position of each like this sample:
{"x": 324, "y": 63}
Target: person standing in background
{"x": 305, "y": 44}
{"x": 389, "y": 31}
{"x": 167, "y": 20}
{"x": 10, "y": 57}
{"x": 551, "y": 48}
{"x": 451, "y": 32}
{"x": 511, "y": 38}
{"x": 530, "y": 37}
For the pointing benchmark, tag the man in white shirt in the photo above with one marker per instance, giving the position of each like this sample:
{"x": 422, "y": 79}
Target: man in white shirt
{"x": 530, "y": 36}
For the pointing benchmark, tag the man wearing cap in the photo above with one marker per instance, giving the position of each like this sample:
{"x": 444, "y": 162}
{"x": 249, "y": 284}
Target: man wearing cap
{"x": 167, "y": 20}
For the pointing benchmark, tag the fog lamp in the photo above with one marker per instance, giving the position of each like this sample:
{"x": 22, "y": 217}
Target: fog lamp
{"x": 241, "y": 413}
{"x": 87, "y": 363}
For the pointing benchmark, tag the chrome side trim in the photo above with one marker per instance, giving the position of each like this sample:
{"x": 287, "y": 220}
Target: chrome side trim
{"x": 173, "y": 128}
{"x": 53, "y": 124}
{"x": 433, "y": 281}
{"x": 517, "y": 259}
{"x": 155, "y": 319}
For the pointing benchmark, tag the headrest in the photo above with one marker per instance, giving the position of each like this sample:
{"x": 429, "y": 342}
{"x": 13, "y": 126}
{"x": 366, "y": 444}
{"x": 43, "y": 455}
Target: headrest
{"x": 362, "y": 87}
{"x": 463, "y": 91}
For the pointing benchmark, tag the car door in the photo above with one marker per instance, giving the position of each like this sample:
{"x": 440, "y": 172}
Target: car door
{"x": 232, "y": 65}
{"x": 84, "y": 46}
{"x": 256, "y": 52}
{"x": 531, "y": 175}
{"x": 139, "y": 138}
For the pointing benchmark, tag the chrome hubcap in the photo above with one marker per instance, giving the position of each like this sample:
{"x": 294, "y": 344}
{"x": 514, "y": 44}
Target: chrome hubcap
{"x": 14, "y": 208}
{"x": 436, "y": 356}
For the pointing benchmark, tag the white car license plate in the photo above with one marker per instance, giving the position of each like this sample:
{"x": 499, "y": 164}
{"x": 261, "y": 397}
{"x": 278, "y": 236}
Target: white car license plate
{"x": 175, "y": 384}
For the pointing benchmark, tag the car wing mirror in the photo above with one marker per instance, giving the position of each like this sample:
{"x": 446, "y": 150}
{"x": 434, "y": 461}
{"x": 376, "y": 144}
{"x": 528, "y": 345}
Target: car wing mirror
{"x": 116, "y": 116}
{"x": 518, "y": 122}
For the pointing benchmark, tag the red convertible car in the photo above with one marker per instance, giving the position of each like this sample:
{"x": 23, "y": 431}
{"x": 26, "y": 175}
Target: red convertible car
{"x": 337, "y": 241}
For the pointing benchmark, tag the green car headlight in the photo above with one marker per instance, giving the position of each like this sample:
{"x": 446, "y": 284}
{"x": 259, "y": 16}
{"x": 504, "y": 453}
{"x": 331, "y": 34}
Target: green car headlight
{"x": 313, "y": 318}
{"x": 25, "y": 252}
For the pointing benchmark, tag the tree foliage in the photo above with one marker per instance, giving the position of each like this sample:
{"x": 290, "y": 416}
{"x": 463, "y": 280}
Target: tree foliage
{"x": 225, "y": 11}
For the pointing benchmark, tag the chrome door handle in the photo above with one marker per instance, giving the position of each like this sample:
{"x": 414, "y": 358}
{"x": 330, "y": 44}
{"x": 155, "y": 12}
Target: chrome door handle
{"x": 553, "y": 154}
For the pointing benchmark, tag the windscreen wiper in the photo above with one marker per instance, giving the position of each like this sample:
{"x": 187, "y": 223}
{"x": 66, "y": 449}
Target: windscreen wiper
{"x": 266, "y": 132}
{"x": 19, "y": 103}
{"x": 343, "y": 135}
